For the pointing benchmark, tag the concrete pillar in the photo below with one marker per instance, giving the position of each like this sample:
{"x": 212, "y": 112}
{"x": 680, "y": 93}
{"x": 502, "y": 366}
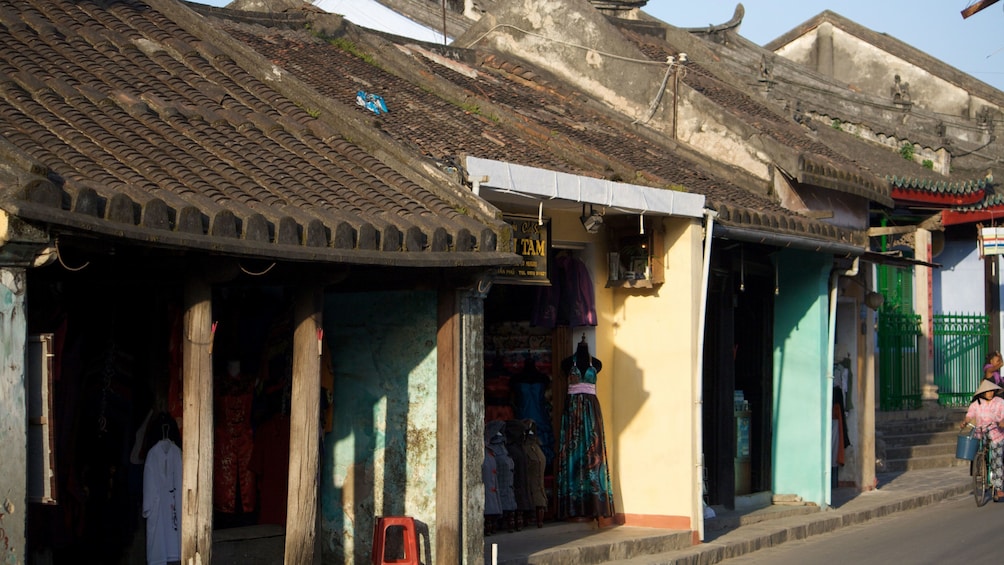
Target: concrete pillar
{"x": 471, "y": 312}
{"x": 13, "y": 419}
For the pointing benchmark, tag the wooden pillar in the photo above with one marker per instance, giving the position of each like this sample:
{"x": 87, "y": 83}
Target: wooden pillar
{"x": 866, "y": 376}
{"x": 448, "y": 426}
{"x": 197, "y": 429}
{"x": 304, "y": 431}
{"x": 924, "y": 301}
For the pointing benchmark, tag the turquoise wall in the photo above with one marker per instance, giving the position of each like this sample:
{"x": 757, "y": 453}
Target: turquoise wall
{"x": 800, "y": 336}
{"x": 13, "y": 420}
{"x": 380, "y": 458}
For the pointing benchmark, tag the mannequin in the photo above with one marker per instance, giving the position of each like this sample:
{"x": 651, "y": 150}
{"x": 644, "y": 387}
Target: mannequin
{"x": 582, "y": 359}
{"x": 584, "y": 490}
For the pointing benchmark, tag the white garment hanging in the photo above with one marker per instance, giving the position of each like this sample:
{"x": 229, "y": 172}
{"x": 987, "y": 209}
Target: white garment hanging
{"x": 162, "y": 503}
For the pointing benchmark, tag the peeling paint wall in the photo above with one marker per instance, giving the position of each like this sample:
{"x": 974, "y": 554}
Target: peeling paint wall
{"x": 872, "y": 70}
{"x": 380, "y": 459}
{"x": 13, "y": 432}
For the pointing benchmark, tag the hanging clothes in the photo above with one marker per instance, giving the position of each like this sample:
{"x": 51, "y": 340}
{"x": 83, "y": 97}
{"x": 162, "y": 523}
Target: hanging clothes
{"x": 233, "y": 482}
{"x": 489, "y": 473}
{"x": 530, "y": 388}
{"x": 535, "y": 466}
{"x": 515, "y": 431}
{"x": 162, "y": 503}
{"x": 569, "y": 300}
{"x": 583, "y": 484}
{"x": 270, "y": 464}
{"x": 503, "y": 465}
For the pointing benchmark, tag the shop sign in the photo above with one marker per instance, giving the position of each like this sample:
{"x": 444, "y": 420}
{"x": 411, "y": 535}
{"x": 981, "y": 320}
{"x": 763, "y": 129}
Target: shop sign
{"x": 532, "y": 241}
{"x": 992, "y": 240}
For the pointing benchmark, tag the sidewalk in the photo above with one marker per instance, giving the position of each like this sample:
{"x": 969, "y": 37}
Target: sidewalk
{"x": 729, "y": 534}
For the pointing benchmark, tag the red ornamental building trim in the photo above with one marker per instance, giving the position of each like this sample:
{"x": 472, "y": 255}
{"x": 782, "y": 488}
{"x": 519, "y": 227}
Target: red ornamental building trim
{"x": 954, "y": 218}
{"x": 927, "y": 197}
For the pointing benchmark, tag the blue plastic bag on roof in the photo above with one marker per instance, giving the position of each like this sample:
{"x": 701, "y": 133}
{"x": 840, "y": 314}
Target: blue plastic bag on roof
{"x": 372, "y": 102}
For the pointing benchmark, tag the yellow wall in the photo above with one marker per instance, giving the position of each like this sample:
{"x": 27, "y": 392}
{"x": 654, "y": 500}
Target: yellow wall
{"x": 647, "y": 341}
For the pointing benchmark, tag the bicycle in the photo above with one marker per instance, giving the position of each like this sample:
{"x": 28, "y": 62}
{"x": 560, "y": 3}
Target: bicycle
{"x": 982, "y": 469}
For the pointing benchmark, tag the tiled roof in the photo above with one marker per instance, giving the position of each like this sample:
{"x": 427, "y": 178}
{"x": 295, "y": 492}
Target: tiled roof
{"x": 825, "y": 167}
{"x": 448, "y": 102}
{"x": 130, "y": 126}
{"x": 803, "y": 91}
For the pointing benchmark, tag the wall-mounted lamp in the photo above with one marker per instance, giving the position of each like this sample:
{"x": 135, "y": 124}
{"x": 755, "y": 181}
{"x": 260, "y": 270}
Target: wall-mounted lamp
{"x": 874, "y": 300}
{"x": 591, "y": 222}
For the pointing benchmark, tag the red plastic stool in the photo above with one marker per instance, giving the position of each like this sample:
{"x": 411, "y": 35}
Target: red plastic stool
{"x": 403, "y": 541}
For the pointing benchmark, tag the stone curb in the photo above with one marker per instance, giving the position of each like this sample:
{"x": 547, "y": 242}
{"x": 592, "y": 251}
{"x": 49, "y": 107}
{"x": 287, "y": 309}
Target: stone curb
{"x": 773, "y": 533}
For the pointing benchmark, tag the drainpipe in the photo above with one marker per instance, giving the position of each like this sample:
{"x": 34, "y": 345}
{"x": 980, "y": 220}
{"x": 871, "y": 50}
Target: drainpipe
{"x": 828, "y": 406}
{"x": 697, "y": 447}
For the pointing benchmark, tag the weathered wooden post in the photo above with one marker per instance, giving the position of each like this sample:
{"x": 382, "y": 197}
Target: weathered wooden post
{"x": 304, "y": 431}
{"x": 197, "y": 426}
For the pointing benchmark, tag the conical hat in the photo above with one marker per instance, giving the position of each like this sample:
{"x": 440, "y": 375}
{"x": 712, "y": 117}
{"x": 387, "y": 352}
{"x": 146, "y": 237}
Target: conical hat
{"x": 985, "y": 386}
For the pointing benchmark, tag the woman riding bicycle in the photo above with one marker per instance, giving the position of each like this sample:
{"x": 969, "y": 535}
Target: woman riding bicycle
{"x": 986, "y": 411}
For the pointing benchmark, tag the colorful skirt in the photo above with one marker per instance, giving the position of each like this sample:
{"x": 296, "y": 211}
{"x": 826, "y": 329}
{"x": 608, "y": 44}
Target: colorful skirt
{"x": 583, "y": 481}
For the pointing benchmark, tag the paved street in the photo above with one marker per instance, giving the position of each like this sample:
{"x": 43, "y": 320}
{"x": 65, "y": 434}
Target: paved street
{"x": 952, "y": 531}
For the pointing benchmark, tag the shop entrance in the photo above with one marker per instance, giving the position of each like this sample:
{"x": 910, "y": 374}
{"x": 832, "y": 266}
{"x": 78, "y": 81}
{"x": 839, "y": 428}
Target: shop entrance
{"x": 528, "y": 333}
{"x": 116, "y": 393}
{"x": 738, "y": 374}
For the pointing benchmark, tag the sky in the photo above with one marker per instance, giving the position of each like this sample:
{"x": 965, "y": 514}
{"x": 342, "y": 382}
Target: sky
{"x": 974, "y": 45}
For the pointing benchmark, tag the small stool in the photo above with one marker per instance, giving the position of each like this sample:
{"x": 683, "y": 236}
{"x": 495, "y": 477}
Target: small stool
{"x": 404, "y": 540}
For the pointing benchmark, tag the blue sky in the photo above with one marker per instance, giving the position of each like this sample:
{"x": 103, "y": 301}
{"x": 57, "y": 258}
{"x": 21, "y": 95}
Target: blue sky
{"x": 974, "y": 45}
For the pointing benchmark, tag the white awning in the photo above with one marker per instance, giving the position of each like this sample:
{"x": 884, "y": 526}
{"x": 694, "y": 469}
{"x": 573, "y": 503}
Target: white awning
{"x": 502, "y": 179}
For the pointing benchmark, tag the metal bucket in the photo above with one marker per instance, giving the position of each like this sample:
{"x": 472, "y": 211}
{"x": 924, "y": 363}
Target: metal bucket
{"x": 965, "y": 447}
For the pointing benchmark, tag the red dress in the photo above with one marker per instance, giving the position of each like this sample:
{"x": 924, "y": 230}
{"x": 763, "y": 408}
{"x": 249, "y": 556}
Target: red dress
{"x": 234, "y": 443}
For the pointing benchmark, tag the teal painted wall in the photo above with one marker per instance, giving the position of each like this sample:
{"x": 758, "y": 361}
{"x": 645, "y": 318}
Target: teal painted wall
{"x": 380, "y": 458}
{"x": 13, "y": 419}
{"x": 800, "y": 338}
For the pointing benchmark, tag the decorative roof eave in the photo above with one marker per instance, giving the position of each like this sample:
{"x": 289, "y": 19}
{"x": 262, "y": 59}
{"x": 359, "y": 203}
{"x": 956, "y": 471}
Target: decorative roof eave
{"x": 966, "y": 192}
{"x": 814, "y": 232}
{"x": 961, "y": 217}
{"x": 821, "y": 172}
{"x": 156, "y": 224}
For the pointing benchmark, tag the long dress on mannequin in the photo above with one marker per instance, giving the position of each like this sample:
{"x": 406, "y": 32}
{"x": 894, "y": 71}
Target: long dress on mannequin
{"x": 583, "y": 483}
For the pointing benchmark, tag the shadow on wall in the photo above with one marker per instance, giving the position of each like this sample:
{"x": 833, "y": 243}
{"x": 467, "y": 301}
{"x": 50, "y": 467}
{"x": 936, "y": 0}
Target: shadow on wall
{"x": 379, "y": 459}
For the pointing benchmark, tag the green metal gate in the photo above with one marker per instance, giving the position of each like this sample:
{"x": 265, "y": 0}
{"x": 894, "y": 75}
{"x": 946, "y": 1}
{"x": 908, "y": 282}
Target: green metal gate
{"x": 961, "y": 343}
{"x": 899, "y": 360}
{"x": 898, "y": 341}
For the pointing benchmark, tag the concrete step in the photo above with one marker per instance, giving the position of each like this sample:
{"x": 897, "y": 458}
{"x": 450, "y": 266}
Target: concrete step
{"x": 917, "y": 463}
{"x": 929, "y": 438}
{"x": 925, "y": 450}
{"x": 731, "y": 519}
{"x": 923, "y": 426}
{"x": 553, "y": 545}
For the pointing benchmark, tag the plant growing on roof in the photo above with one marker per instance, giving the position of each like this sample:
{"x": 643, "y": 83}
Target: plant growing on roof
{"x": 928, "y": 164}
{"x": 907, "y": 151}
{"x": 351, "y": 48}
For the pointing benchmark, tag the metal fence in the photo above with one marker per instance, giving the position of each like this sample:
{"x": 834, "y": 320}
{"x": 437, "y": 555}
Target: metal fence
{"x": 961, "y": 342}
{"x": 899, "y": 360}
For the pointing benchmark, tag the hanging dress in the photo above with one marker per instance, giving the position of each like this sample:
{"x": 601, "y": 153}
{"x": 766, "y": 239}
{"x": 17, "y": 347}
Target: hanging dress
{"x": 583, "y": 484}
{"x": 503, "y": 465}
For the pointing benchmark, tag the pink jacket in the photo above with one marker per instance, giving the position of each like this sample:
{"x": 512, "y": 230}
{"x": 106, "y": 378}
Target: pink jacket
{"x": 984, "y": 413}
